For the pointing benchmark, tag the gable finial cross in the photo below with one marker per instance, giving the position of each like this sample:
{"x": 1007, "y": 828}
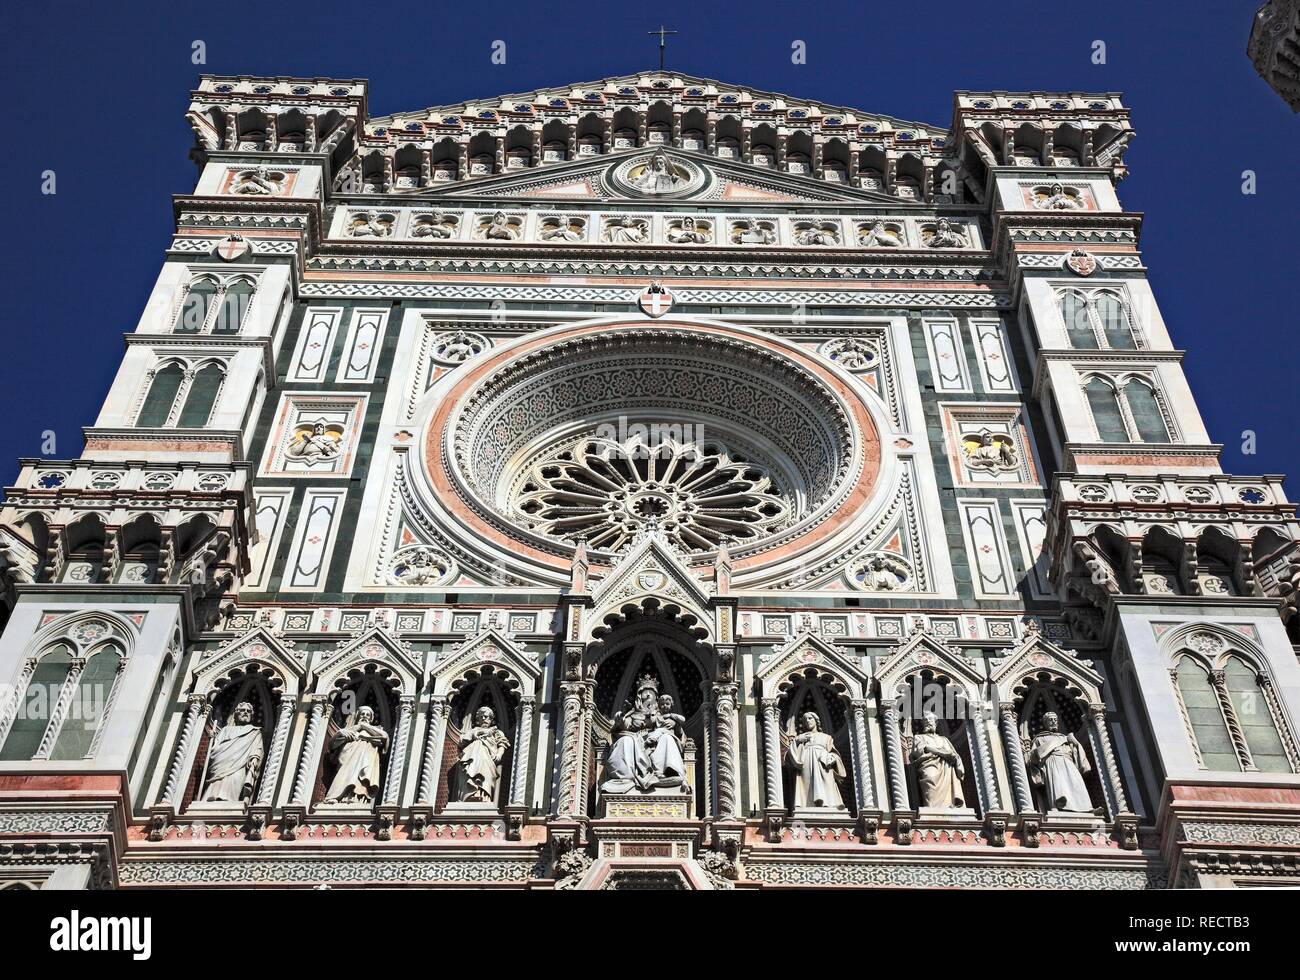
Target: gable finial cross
{"x": 662, "y": 33}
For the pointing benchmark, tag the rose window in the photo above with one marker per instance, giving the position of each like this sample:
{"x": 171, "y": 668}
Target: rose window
{"x": 604, "y": 493}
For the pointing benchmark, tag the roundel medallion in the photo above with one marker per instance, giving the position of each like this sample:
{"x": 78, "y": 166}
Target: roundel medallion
{"x": 1081, "y": 262}
{"x": 234, "y": 247}
{"x": 655, "y": 301}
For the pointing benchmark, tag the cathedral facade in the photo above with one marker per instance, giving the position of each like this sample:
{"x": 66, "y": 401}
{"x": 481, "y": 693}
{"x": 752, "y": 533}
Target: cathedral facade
{"x": 649, "y": 483}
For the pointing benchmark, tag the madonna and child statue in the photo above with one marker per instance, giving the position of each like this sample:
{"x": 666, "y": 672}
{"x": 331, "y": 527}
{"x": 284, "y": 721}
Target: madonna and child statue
{"x": 645, "y": 754}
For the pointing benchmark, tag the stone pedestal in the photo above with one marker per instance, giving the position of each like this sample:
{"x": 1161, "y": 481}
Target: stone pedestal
{"x": 665, "y": 805}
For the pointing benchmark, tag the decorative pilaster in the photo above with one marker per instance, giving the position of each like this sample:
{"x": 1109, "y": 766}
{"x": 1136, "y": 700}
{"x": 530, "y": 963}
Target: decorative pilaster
{"x": 984, "y": 760}
{"x": 724, "y": 717}
{"x": 773, "y": 788}
{"x": 433, "y": 747}
{"x": 523, "y": 750}
{"x": 1279, "y": 722}
{"x": 296, "y": 811}
{"x": 868, "y": 812}
{"x": 61, "y": 708}
{"x": 197, "y": 708}
{"x": 894, "y": 759}
{"x": 1016, "y": 759}
{"x": 397, "y": 755}
{"x": 1112, "y": 784}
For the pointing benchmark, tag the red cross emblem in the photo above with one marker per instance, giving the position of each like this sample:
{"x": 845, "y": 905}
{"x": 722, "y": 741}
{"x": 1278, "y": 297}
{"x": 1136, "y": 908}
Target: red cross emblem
{"x": 232, "y": 248}
{"x": 655, "y": 301}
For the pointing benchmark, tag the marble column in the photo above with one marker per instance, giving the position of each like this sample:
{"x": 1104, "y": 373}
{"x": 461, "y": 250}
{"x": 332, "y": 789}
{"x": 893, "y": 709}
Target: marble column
{"x": 571, "y": 798}
{"x": 894, "y": 758}
{"x": 1016, "y": 758}
{"x": 307, "y": 765}
{"x": 861, "y": 755}
{"x": 196, "y": 710}
{"x": 433, "y": 749}
{"x": 983, "y": 760}
{"x": 397, "y": 752}
{"x": 523, "y": 751}
{"x": 773, "y": 783}
{"x": 275, "y": 758}
{"x": 724, "y": 715}
{"x": 1219, "y": 680}
{"x": 16, "y": 698}
{"x": 1104, "y": 752}
{"x": 61, "y": 708}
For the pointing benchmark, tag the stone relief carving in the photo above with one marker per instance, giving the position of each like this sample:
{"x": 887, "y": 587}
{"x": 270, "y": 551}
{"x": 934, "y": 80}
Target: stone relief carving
{"x": 562, "y": 229}
{"x": 938, "y": 767}
{"x": 880, "y": 235}
{"x": 626, "y": 231}
{"x": 260, "y": 181}
{"x": 817, "y": 766}
{"x": 753, "y": 233}
{"x": 945, "y": 234}
{"x": 435, "y": 225}
{"x": 1057, "y": 198}
{"x": 985, "y": 450}
{"x": 458, "y": 346}
{"x": 658, "y": 176}
{"x": 691, "y": 232}
{"x": 882, "y": 572}
{"x": 234, "y": 759}
{"x": 420, "y": 565}
{"x": 852, "y": 353}
{"x": 356, "y": 748}
{"x": 371, "y": 224}
{"x": 499, "y": 227}
{"x": 316, "y": 442}
{"x": 817, "y": 233}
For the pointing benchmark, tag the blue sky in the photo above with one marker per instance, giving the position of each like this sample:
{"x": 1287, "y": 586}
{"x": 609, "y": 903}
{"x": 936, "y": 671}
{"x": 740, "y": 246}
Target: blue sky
{"x": 97, "y": 94}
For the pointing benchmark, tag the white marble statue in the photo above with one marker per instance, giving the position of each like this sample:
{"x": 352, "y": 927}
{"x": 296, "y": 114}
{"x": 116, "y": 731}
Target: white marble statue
{"x": 755, "y": 233}
{"x": 234, "y": 758}
{"x": 313, "y": 446}
{"x": 436, "y": 225}
{"x": 690, "y": 233}
{"x": 499, "y": 228}
{"x": 946, "y": 235}
{"x": 817, "y": 235}
{"x": 1057, "y": 765}
{"x": 478, "y": 771}
{"x": 939, "y": 769}
{"x": 1056, "y": 199}
{"x": 880, "y": 235}
{"x": 816, "y": 764}
{"x": 646, "y": 752}
{"x": 356, "y": 780}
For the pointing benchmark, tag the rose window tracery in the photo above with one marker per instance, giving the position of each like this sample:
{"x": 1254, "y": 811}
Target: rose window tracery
{"x": 604, "y": 492}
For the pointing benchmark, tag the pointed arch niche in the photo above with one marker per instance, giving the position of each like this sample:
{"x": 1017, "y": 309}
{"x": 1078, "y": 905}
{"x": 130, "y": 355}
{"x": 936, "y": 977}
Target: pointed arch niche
{"x": 808, "y": 674}
{"x": 488, "y": 670}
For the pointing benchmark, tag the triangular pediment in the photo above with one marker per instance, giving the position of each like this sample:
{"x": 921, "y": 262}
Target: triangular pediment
{"x": 809, "y": 651}
{"x": 492, "y": 649}
{"x": 372, "y": 646}
{"x": 651, "y": 571}
{"x": 1037, "y": 655}
{"x": 259, "y": 647}
{"x": 922, "y": 651}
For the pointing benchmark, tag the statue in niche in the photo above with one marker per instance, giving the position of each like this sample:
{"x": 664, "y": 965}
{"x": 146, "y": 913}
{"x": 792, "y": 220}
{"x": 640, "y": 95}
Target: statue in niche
{"x": 880, "y": 235}
{"x": 658, "y": 176}
{"x": 1056, "y": 199}
{"x": 234, "y": 759}
{"x": 478, "y": 771}
{"x": 690, "y": 233}
{"x": 356, "y": 781}
{"x": 499, "y": 228}
{"x": 755, "y": 233}
{"x": 646, "y": 754}
{"x": 626, "y": 231}
{"x": 816, "y": 764}
{"x": 1057, "y": 765}
{"x": 939, "y": 769}
{"x": 313, "y": 445}
{"x": 946, "y": 235}
{"x": 436, "y": 225}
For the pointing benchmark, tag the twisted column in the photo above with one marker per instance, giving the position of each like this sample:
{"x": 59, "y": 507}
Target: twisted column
{"x": 861, "y": 755}
{"x": 311, "y": 749}
{"x": 1219, "y": 679}
{"x": 196, "y": 709}
{"x": 433, "y": 742}
{"x": 523, "y": 750}
{"x": 397, "y": 754}
{"x": 569, "y": 801}
{"x": 772, "y": 755}
{"x": 894, "y": 758}
{"x": 16, "y": 696}
{"x": 1016, "y": 758}
{"x": 724, "y": 714}
{"x": 992, "y": 800}
{"x": 1105, "y": 754}
{"x": 61, "y": 708}
{"x": 275, "y": 760}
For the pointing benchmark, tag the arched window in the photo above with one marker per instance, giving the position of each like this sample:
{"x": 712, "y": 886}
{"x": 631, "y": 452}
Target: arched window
{"x": 1078, "y": 324}
{"x": 1115, "y": 326}
{"x": 89, "y": 703}
{"x": 1255, "y": 717}
{"x": 1104, "y": 403}
{"x": 39, "y": 699}
{"x": 1098, "y": 320}
{"x": 1146, "y": 413}
{"x": 1209, "y": 730}
{"x": 234, "y": 304}
{"x": 199, "y": 298}
{"x": 201, "y": 397}
{"x": 158, "y": 402}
